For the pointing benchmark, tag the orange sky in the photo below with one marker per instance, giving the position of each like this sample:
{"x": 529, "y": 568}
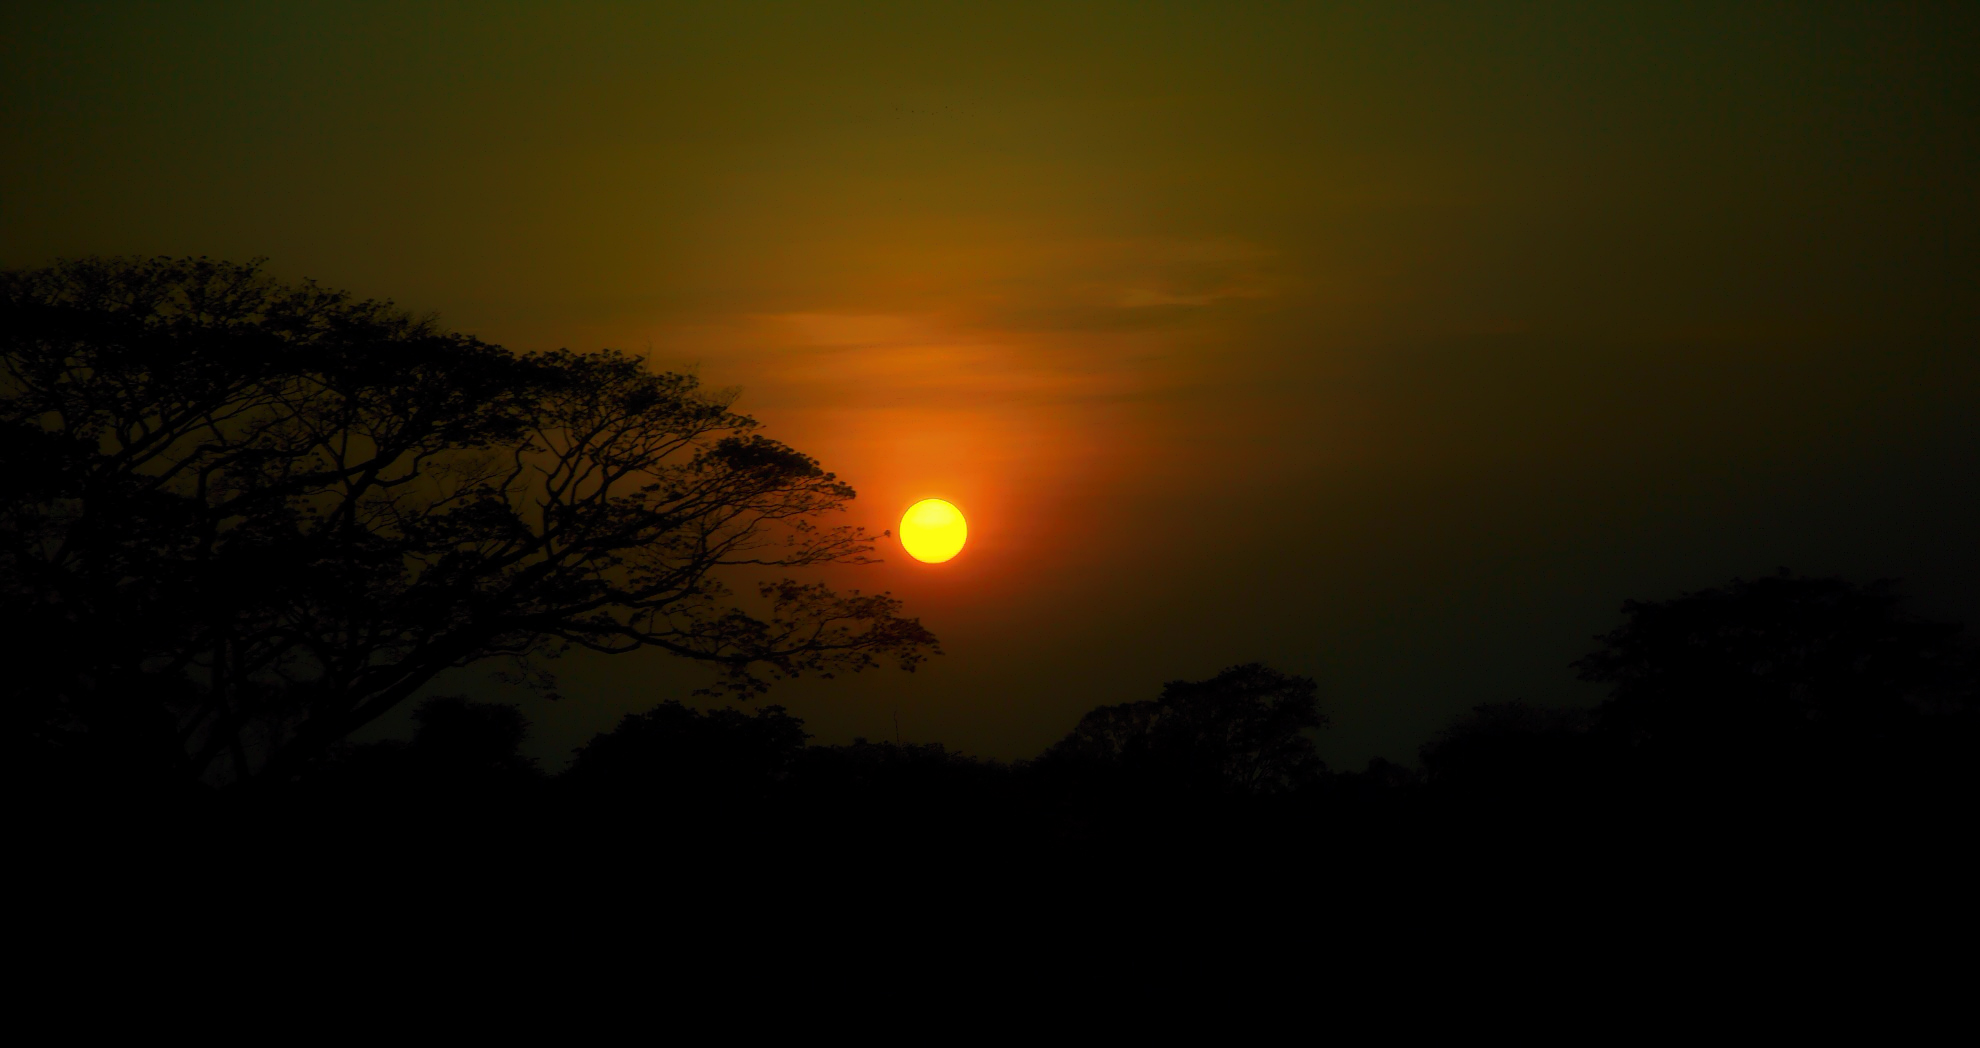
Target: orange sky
{"x": 1394, "y": 344}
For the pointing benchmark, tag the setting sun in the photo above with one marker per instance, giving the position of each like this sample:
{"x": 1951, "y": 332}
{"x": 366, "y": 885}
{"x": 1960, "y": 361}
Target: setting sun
{"x": 933, "y": 530}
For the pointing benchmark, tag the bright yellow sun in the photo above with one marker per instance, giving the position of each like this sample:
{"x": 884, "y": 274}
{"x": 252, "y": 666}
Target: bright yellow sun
{"x": 932, "y": 531}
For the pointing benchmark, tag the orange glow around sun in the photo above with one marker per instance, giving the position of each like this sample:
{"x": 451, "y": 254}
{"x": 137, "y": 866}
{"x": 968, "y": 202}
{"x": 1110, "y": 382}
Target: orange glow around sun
{"x": 933, "y": 530}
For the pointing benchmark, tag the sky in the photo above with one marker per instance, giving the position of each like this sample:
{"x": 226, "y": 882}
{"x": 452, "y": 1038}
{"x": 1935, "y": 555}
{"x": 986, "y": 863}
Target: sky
{"x": 1392, "y": 344}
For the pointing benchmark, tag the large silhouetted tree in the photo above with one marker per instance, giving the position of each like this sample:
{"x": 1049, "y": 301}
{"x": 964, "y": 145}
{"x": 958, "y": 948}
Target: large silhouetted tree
{"x": 244, "y": 518}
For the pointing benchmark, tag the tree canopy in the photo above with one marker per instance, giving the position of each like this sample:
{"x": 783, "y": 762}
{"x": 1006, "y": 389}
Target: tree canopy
{"x": 245, "y": 517}
{"x": 1782, "y": 657}
{"x": 1242, "y": 732}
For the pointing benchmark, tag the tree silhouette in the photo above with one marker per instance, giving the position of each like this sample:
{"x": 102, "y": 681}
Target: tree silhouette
{"x": 469, "y": 738}
{"x": 871, "y": 798}
{"x": 247, "y": 518}
{"x": 673, "y": 753}
{"x": 1205, "y": 767}
{"x": 1786, "y": 693}
{"x": 463, "y": 764}
{"x": 1514, "y": 763}
{"x": 1512, "y": 747}
{"x": 1240, "y": 732}
{"x": 1781, "y": 657}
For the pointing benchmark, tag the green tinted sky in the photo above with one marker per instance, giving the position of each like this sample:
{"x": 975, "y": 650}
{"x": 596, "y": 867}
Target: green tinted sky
{"x": 1390, "y": 343}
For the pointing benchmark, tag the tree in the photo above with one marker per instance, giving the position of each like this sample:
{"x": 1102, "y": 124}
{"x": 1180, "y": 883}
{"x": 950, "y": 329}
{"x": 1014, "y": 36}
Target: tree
{"x": 1241, "y": 732}
{"x": 1779, "y": 659}
{"x": 673, "y": 755}
{"x": 1788, "y": 693}
{"x": 1516, "y": 761}
{"x": 907, "y": 798}
{"x": 246, "y": 518}
{"x": 464, "y": 764}
{"x": 1502, "y": 744}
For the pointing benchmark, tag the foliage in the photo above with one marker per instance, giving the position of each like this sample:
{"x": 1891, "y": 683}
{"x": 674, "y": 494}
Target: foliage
{"x": 455, "y": 732}
{"x": 672, "y": 752}
{"x": 247, "y": 518}
{"x": 1502, "y": 740}
{"x": 886, "y": 793}
{"x": 1241, "y": 732}
{"x": 1505, "y": 763}
{"x": 465, "y": 758}
{"x": 1785, "y": 659}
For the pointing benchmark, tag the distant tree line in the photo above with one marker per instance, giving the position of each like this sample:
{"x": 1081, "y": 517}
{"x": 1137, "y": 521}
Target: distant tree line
{"x": 1771, "y": 709}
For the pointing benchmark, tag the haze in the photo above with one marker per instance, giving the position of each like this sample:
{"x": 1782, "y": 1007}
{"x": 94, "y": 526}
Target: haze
{"x": 1390, "y": 344}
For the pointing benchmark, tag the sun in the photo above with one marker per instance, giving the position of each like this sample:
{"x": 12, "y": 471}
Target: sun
{"x": 933, "y": 530}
